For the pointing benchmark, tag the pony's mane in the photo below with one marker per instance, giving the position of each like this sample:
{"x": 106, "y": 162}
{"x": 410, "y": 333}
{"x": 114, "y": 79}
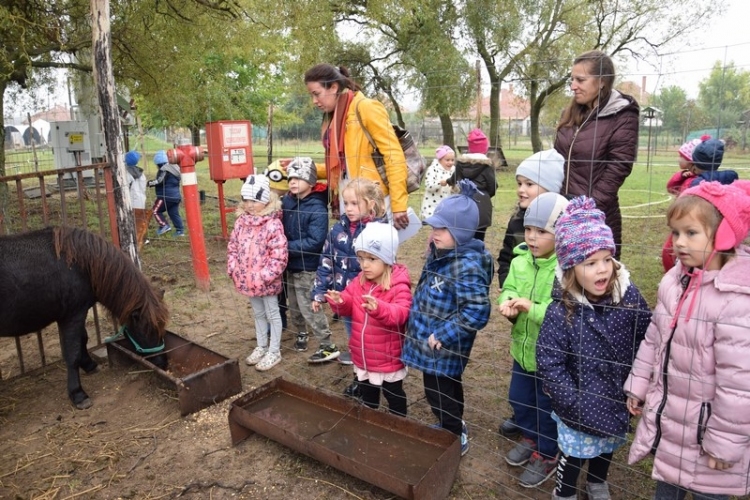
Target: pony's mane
{"x": 117, "y": 282}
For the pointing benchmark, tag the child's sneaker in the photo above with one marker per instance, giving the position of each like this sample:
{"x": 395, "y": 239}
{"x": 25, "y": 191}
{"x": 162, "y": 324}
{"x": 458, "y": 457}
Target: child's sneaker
{"x": 509, "y": 428}
{"x": 538, "y": 470}
{"x": 180, "y": 233}
{"x": 352, "y": 390}
{"x": 464, "y": 439}
{"x": 598, "y": 491}
{"x": 345, "y": 358}
{"x": 300, "y": 344}
{"x": 256, "y": 355}
{"x": 521, "y": 453}
{"x": 270, "y": 360}
{"x": 163, "y": 229}
{"x": 325, "y": 353}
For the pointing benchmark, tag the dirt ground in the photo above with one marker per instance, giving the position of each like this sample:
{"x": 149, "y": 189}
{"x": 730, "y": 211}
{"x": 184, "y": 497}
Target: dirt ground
{"x": 133, "y": 443}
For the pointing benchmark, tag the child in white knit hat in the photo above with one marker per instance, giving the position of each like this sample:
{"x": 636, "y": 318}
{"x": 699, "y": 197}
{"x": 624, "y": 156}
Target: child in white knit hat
{"x": 378, "y": 302}
{"x": 256, "y": 258}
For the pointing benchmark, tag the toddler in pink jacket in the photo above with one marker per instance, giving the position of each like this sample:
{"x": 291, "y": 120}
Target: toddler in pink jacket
{"x": 256, "y": 258}
{"x": 691, "y": 377}
{"x": 378, "y": 302}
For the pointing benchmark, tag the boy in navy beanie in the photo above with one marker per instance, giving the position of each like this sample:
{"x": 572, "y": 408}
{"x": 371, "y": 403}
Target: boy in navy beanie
{"x": 451, "y": 303}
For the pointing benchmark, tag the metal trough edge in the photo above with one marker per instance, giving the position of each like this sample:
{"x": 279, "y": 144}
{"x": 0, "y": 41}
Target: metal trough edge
{"x": 196, "y": 390}
{"x": 436, "y": 480}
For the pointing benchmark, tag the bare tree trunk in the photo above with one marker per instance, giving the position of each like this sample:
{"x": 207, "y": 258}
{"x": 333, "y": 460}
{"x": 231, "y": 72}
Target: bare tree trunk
{"x": 105, "y": 86}
{"x": 538, "y": 100}
{"x": 3, "y": 186}
{"x": 536, "y": 108}
{"x": 195, "y": 134}
{"x": 269, "y": 134}
{"x": 447, "y": 124}
{"x": 495, "y": 80}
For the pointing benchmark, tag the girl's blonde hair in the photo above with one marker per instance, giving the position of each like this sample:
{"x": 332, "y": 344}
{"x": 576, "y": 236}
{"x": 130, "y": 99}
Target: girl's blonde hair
{"x": 369, "y": 192}
{"x": 572, "y": 289}
{"x": 707, "y": 214}
{"x": 385, "y": 279}
{"x": 273, "y": 205}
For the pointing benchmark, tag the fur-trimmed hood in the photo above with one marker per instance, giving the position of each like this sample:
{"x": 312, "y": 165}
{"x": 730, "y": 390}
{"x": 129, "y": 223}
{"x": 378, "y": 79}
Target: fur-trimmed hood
{"x": 474, "y": 158}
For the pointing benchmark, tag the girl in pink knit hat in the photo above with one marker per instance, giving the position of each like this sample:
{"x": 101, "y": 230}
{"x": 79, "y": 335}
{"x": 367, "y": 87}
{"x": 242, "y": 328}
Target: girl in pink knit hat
{"x": 691, "y": 376}
{"x": 478, "y": 168}
{"x": 681, "y": 179}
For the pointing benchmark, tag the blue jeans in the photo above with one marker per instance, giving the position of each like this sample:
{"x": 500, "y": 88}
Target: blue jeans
{"x": 666, "y": 491}
{"x": 533, "y": 410}
{"x": 172, "y": 207}
{"x": 347, "y": 325}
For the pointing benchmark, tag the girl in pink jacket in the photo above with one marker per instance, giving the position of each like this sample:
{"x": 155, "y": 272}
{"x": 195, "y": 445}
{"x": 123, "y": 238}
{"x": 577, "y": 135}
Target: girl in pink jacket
{"x": 690, "y": 381}
{"x": 256, "y": 258}
{"x": 378, "y": 302}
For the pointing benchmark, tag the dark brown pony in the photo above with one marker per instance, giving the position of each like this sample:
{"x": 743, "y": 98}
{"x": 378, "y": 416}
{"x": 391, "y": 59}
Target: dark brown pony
{"x": 56, "y": 275}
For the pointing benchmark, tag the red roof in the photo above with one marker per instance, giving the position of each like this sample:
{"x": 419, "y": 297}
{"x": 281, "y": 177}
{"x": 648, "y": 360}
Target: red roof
{"x": 512, "y": 106}
{"x": 57, "y": 114}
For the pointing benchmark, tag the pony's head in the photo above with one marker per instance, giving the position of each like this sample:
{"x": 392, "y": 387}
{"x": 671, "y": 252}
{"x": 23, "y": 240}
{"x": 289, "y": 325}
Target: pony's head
{"x": 145, "y": 328}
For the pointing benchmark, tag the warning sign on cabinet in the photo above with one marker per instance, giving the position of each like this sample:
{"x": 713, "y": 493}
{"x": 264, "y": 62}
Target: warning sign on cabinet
{"x": 238, "y": 156}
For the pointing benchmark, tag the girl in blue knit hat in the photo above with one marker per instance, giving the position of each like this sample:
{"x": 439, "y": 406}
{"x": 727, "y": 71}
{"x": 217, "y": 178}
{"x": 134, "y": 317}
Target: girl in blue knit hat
{"x": 451, "y": 303}
{"x": 168, "y": 198}
{"x": 586, "y": 346}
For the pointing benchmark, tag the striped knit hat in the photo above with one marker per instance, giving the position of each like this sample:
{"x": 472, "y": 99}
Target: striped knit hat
{"x": 580, "y": 232}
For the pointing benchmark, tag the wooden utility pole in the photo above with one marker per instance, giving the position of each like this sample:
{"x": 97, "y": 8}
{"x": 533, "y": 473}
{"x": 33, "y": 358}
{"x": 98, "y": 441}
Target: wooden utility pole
{"x": 105, "y": 89}
{"x": 479, "y": 94}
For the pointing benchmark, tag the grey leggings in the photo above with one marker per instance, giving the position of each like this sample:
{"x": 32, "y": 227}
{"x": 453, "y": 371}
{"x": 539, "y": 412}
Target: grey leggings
{"x": 266, "y": 311}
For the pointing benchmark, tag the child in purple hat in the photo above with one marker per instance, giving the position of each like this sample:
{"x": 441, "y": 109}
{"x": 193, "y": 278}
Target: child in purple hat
{"x": 586, "y": 345}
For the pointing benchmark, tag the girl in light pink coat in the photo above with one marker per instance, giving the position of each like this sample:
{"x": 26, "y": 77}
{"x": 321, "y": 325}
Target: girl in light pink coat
{"x": 690, "y": 381}
{"x": 256, "y": 258}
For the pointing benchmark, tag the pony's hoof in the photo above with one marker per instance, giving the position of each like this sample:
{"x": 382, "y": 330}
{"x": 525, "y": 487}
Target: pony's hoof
{"x": 85, "y": 404}
{"x": 91, "y": 370}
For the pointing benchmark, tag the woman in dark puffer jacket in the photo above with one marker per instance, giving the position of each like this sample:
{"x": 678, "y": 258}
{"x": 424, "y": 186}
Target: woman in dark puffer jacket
{"x": 598, "y": 136}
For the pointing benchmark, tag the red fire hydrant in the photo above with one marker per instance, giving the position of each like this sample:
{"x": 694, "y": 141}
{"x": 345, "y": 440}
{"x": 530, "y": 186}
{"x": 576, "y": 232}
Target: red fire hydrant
{"x": 186, "y": 157}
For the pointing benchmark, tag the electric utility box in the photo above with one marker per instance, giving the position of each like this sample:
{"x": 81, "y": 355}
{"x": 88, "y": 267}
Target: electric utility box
{"x": 71, "y": 145}
{"x": 230, "y": 149}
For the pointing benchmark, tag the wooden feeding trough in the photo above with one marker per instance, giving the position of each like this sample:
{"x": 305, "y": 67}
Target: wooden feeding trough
{"x": 397, "y": 454}
{"x": 200, "y": 376}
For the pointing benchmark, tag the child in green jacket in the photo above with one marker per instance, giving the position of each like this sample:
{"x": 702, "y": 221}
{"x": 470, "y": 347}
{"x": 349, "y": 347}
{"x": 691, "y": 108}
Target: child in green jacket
{"x": 527, "y": 292}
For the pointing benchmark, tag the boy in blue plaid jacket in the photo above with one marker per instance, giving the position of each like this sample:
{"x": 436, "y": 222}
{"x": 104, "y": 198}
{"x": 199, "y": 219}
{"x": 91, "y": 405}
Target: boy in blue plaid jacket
{"x": 451, "y": 302}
